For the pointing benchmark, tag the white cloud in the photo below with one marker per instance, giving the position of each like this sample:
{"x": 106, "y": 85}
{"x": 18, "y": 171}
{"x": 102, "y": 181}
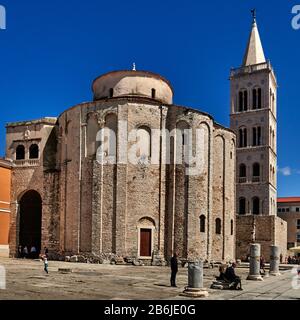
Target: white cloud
{"x": 287, "y": 171}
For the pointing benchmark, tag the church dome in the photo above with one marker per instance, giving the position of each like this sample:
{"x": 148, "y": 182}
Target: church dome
{"x": 133, "y": 83}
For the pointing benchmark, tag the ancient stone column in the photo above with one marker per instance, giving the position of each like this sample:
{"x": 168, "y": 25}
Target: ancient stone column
{"x": 195, "y": 281}
{"x": 255, "y": 263}
{"x": 274, "y": 261}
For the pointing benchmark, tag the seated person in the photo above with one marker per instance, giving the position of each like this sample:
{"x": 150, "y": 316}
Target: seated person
{"x": 233, "y": 278}
{"x": 262, "y": 265}
{"x": 222, "y": 277}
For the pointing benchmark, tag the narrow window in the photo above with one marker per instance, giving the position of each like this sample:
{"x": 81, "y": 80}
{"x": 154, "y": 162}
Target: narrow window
{"x": 259, "y": 102}
{"x": 218, "y": 226}
{"x": 255, "y": 206}
{"x": 254, "y": 136}
{"x": 256, "y": 170}
{"x": 243, "y": 171}
{"x": 242, "y": 206}
{"x": 254, "y": 98}
{"x": 153, "y": 93}
{"x": 241, "y": 139}
{"x": 271, "y": 142}
{"x": 245, "y": 138}
{"x": 20, "y": 152}
{"x": 144, "y": 143}
{"x": 231, "y": 227}
{"x": 241, "y": 101}
{"x": 245, "y": 100}
{"x": 202, "y": 224}
{"x": 111, "y": 92}
{"x": 259, "y": 136}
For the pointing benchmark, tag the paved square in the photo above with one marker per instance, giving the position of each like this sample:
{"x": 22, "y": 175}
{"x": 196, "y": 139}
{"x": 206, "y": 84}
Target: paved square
{"x": 26, "y": 280}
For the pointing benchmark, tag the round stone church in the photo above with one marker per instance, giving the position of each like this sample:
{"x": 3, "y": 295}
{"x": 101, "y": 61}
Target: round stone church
{"x": 129, "y": 175}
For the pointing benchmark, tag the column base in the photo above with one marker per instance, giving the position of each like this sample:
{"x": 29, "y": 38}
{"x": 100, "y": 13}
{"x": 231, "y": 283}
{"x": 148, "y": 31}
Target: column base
{"x": 195, "y": 293}
{"x": 275, "y": 274}
{"x": 255, "y": 277}
{"x": 4, "y": 251}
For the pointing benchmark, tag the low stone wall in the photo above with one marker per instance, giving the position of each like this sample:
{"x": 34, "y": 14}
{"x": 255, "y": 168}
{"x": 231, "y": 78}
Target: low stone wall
{"x": 4, "y": 251}
{"x": 269, "y": 230}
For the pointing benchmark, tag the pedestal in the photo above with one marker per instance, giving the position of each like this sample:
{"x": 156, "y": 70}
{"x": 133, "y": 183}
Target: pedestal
{"x": 255, "y": 263}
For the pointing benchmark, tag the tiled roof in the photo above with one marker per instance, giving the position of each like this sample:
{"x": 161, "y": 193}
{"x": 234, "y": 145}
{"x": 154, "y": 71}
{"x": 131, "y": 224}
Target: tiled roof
{"x": 288, "y": 200}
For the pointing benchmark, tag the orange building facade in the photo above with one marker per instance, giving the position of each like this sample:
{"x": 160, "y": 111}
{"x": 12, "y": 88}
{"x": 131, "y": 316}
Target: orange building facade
{"x": 5, "y": 182}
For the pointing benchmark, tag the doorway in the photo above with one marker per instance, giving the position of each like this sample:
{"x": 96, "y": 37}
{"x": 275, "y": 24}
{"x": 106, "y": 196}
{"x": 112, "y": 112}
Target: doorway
{"x": 145, "y": 242}
{"x": 30, "y": 234}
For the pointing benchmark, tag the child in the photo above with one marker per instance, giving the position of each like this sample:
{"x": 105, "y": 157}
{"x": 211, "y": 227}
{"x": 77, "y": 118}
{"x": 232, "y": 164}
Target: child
{"x": 45, "y": 264}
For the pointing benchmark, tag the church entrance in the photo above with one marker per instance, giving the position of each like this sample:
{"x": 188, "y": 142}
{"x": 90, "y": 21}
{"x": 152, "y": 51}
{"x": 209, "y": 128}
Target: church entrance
{"x": 30, "y": 224}
{"x": 146, "y": 242}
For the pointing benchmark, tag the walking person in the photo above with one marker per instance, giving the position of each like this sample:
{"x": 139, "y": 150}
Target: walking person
{"x": 45, "y": 259}
{"x": 46, "y": 252}
{"x": 174, "y": 270}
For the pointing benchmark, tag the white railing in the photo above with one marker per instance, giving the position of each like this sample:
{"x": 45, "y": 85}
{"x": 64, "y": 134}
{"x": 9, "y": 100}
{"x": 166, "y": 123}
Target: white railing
{"x": 251, "y": 68}
{"x": 242, "y": 180}
{"x": 255, "y": 179}
{"x": 27, "y": 163}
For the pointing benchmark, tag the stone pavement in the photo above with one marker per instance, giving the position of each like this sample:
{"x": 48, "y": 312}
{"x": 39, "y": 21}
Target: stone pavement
{"x": 26, "y": 280}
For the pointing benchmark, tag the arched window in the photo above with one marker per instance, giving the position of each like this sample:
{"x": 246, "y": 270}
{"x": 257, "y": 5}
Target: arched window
{"x": 153, "y": 93}
{"x": 218, "y": 226}
{"x": 256, "y": 98}
{"x": 231, "y": 227}
{"x": 202, "y": 223}
{"x": 111, "y": 123}
{"x": 144, "y": 143}
{"x": 243, "y": 100}
{"x": 20, "y": 152}
{"x": 92, "y": 130}
{"x": 255, "y": 206}
{"x": 242, "y": 206}
{"x": 271, "y": 171}
{"x": 256, "y": 135}
{"x": 272, "y": 101}
{"x": 111, "y": 92}
{"x": 256, "y": 170}
{"x": 271, "y": 136}
{"x": 182, "y": 142}
{"x": 243, "y": 138}
{"x": 243, "y": 171}
{"x": 34, "y": 151}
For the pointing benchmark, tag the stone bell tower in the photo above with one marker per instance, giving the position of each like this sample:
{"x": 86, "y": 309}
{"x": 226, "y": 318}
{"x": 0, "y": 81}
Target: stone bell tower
{"x": 253, "y": 119}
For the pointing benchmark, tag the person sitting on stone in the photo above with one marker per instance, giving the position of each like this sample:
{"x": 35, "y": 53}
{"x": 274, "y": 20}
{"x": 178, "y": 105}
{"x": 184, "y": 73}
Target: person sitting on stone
{"x": 233, "y": 278}
{"x": 262, "y": 265}
{"x": 222, "y": 271}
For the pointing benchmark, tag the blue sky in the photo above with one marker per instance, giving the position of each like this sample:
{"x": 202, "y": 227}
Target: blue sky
{"x": 52, "y": 50}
